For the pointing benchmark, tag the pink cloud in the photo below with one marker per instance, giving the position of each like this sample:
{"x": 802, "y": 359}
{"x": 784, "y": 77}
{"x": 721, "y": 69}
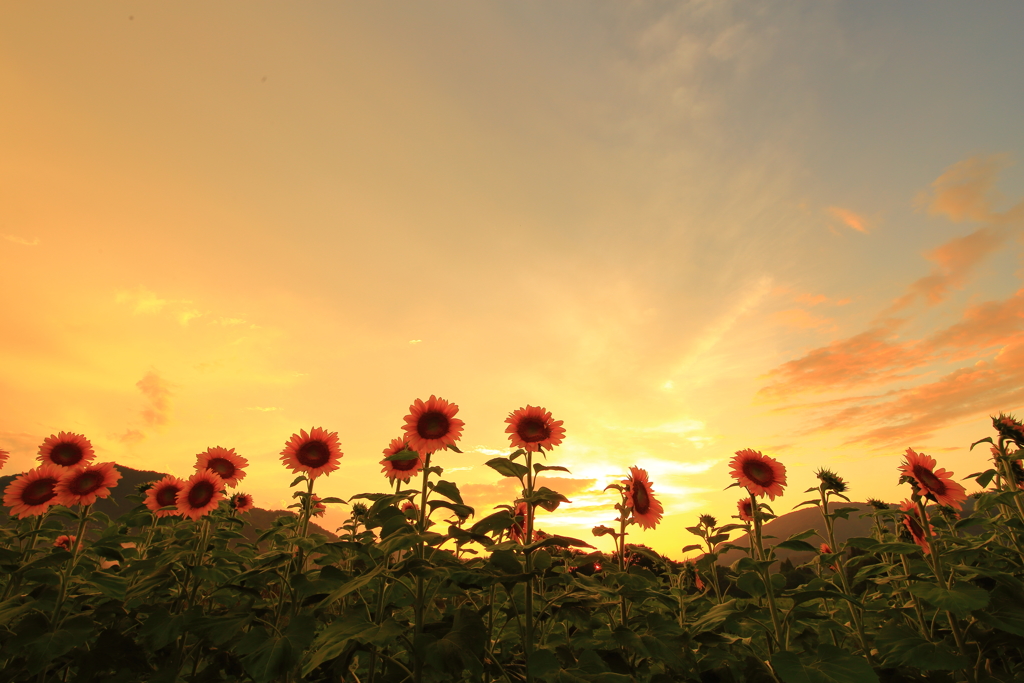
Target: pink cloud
{"x": 157, "y": 393}
{"x": 849, "y": 218}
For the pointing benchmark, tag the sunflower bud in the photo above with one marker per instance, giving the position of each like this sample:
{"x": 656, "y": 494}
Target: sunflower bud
{"x": 603, "y": 531}
{"x": 359, "y": 509}
{"x": 830, "y": 481}
{"x": 708, "y": 521}
{"x": 877, "y": 504}
{"x": 1009, "y": 428}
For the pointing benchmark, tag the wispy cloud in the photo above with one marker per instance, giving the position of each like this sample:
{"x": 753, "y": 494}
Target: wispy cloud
{"x": 849, "y": 218}
{"x": 21, "y": 240}
{"x": 263, "y": 410}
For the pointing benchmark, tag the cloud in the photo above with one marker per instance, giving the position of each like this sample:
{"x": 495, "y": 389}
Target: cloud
{"x": 262, "y": 410}
{"x": 132, "y": 436}
{"x": 21, "y": 240}
{"x": 157, "y": 393}
{"x": 966, "y": 191}
{"x": 802, "y": 319}
{"x": 849, "y": 218}
{"x": 142, "y": 300}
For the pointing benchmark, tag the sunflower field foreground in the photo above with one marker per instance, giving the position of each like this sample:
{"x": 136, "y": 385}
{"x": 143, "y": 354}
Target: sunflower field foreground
{"x": 418, "y": 586}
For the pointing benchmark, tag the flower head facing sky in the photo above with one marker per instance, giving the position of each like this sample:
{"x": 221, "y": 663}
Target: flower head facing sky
{"x": 758, "y": 473}
{"x": 200, "y": 495}
{"x": 431, "y": 425}
{"x": 33, "y": 492}
{"x": 401, "y": 469}
{"x": 164, "y": 493}
{"x": 639, "y": 494}
{"x": 66, "y": 450}
{"x": 83, "y": 485}
{"x": 227, "y": 464}
{"x": 314, "y": 454}
{"x": 935, "y": 484}
{"x": 532, "y": 428}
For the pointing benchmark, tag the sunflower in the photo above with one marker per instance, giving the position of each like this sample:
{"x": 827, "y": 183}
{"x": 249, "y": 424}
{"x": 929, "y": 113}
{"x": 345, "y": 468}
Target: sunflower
{"x": 162, "y": 494}
{"x": 33, "y": 492}
{"x": 517, "y": 532}
{"x": 759, "y": 474}
{"x": 432, "y": 425}
{"x": 66, "y": 542}
{"x": 409, "y": 509}
{"x": 938, "y": 485}
{"x": 241, "y": 502}
{"x": 405, "y": 468}
{"x": 66, "y": 450}
{"x": 201, "y": 493}
{"x": 82, "y": 485}
{"x": 318, "y": 508}
{"x": 746, "y": 510}
{"x": 315, "y": 453}
{"x": 831, "y": 481}
{"x": 640, "y": 499}
{"x": 1009, "y": 428}
{"x": 532, "y": 428}
{"x": 913, "y": 525}
{"x": 228, "y": 465}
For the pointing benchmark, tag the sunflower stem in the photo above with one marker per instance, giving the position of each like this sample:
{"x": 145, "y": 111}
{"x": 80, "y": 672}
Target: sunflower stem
{"x": 528, "y": 538}
{"x": 755, "y": 510}
{"x": 420, "y": 553}
{"x": 65, "y": 576}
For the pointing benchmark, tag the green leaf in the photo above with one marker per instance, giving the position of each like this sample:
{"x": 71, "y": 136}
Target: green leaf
{"x": 538, "y": 468}
{"x": 547, "y": 499}
{"x": 695, "y": 546}
{"x": 403, "y": 455}
{"x": 960, "y": 599}
{"x": 498, "y": 521}
{"x": 270, "y": 659}
{"x": 751, "y": 583}
{"x": 506, "y": 561}
{"x": 797, "y": 545}
{"x": 987, "y": 439}
{"x": 829, "y": 665}
{"x": 448, "y": 489}
{"x": 560, "y": 541}
{"x": 463, "y": 511}
{"x": 507, "y": 468}
{"x": 899, "y": 645}
{"x": 353, "y": 585}
{"x": 463, "y": 536}
{"x": 297, "y": 479}
{"x": 543, "y": 663}
{"x": 896, "y": 548}
{"x": 1005, "y": 611}
{"x": 812, "y": 501}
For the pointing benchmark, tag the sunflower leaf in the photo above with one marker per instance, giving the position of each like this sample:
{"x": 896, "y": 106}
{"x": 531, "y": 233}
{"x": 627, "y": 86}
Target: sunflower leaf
{"x": 298, "y": 479}
{"x": 688, "y": 548}
{"x": 403, "y": 455}
{"x": 987, "y": 439}
{"x": 453, "y": 447}
{"x": 515, "y": 454}
{"x": 448, "y": 489}
{"x": 507, "y": 468}
{"x": 538, "y": 468}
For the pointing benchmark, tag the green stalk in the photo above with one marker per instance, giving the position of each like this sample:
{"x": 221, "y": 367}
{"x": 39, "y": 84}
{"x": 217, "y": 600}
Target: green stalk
{"x": 765, "y": 577}
{"x": 420, "y": 553}
{"x": 65, "y": 576}
{"x": 936, "y": 562}
{"x": 841, "y": 571}
{"x": 528, "y": 641}
{"x": 621, "y": 542}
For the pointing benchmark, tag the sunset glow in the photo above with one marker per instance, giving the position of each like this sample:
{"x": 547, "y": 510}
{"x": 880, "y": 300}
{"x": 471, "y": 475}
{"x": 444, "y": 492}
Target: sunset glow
{"x": 683, "y": 230}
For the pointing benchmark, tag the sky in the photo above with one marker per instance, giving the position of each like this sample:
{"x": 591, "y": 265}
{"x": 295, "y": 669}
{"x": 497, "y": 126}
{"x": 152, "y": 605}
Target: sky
{"x": 684, "y": 228}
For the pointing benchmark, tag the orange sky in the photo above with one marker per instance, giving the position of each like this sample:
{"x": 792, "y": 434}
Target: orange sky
{"x": 684, "y": 229}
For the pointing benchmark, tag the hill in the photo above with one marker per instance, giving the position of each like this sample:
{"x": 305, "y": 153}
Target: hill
{"x": 117, "y": 504}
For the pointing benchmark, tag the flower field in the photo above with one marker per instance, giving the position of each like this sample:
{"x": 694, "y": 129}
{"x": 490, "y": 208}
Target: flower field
{"x": 418, "y": 586}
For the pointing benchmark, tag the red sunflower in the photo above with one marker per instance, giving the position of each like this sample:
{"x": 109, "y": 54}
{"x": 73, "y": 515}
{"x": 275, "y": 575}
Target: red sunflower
{"x": 228, "y": 465}
{"x": 66, "y": 542}
{"x": 746, "y": 510}
{"x": 201, "y": 493}
{"x": 33, "y": 492}
{"x": 66, "y": 450}
{"x": 83, "y": 485}
{"x": 410, "y": 509}
{"x": 913, "y": 524}
{"x": 640, "y": 498}
{"x": 935, "y": 484}
{"x": 759, "y": 474}
{"x": 3, "y": 457}
{"x": 315, "y": 453}
{"x": 517, "y": 532}
{"x": 401, "y": 469}
{"x": 162, "y": 494}
{"x": 532, "y": 428}
{"x": 318, "y": 508}
{"x": 432, "y": 425}
{"x": 242, "y": 502}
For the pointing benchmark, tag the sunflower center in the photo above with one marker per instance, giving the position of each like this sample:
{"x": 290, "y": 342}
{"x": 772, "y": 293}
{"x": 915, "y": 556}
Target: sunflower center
{"x": 222, "y": 466}
{"x": 38, "y": 492}
{"x": 86, "y": 483}
{"x": 201, "y": 494}
{"x": 533, "y": 429}
{"x": 758, "y": 472}
{"x": 432, "y": 425}
{"x": 403, "y": 465}
{"x": 314, "y": 454}
{"x": 641, "y": 499}
{"x": 928, "y": 479}
{"x": 166, "y": 496}
{"x": 66, "y": 454}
